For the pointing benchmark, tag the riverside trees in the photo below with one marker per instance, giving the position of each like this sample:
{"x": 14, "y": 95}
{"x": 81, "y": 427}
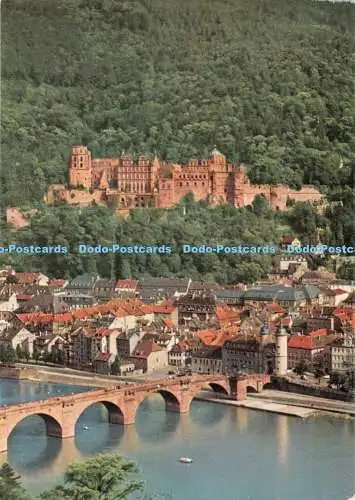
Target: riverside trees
{"x": 105, "y": 477}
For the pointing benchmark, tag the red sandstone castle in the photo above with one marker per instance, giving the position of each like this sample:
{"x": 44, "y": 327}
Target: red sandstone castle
{"x": 125, "y": 184}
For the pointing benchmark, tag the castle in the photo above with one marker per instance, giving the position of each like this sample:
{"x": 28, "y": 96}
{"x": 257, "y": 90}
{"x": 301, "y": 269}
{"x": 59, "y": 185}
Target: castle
{"x": 125, "y": 184}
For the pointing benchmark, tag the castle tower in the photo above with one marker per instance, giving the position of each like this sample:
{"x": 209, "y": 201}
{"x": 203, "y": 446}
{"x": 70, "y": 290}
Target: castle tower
{"x": 281, "y": 352}
{"x": 217, "y": 158}
{"x": 239, "y": 186}
{"x": 80, "y": 167}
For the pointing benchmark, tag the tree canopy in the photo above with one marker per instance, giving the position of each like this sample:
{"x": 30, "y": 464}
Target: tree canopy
{"x": 193, "y": 223}
{"x": 104, "y": 477}
{"x": 270, "y": 83}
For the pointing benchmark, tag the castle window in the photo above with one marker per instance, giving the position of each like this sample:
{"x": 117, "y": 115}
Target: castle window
{"x": 181, "y": 184}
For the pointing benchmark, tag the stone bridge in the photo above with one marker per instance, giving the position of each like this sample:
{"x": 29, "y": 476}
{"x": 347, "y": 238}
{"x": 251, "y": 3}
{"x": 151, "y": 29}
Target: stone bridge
{"x": 61, "y": 414}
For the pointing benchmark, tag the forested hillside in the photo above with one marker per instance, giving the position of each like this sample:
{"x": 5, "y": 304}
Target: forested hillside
{"x": 189, "y": 223}
{"x": 269, "y": 82}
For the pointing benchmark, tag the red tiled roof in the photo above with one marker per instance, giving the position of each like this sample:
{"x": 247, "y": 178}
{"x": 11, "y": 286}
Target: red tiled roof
{"x": 301, "y": 342}
{"x": 345, "y": 315}
{"x": 221, "y": 338}
{"x": 167, "y": 302}
{"x": 339, "y": 291}
{"x": 105, "y": 332}
{"x": 318, "y": 333}
{"x": 103, "y": 356}
{"x": 286, "y": 322}
{"x": 214, "y": 337}
{"x": 127, "y": 284}
{"x": 159, "y": 309}
{"x": 118, "y": 308}
{"x": 275, "y": 308}
{"x": 168, "y": 322}
{"x": 57, "y": 282}
{"x": 23, "y": 296}
{"x": 63, "y": 318}
{"x": 227, "y": 314}
{"x": 288, "y": 240}
{"x": 35, "y": 318}
{"x": 87, "y": 331}
{"x": 145, "y": 348}
{"x": 187, "y": 344}
{"x": 27, "y": 277}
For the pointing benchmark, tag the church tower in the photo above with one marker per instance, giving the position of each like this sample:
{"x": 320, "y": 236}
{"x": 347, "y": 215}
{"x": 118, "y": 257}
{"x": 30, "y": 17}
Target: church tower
{"x": 80, "y": 167}
{"x": 281, "y": 352}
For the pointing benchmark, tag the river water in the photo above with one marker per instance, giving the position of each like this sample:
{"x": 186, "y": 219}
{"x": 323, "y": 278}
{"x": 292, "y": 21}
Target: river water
{"x": 238, "y": 454}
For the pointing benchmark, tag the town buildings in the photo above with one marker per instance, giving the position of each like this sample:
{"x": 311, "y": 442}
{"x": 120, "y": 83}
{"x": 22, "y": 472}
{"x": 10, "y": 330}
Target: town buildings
{"x": 148, "y": 356}
{"x": 124, "y": 183}
{"x": 209, "y": 330}
{"x": 207, "y": 360}
{"x": 248, "y": 355}
{"x": 343, "y": 355}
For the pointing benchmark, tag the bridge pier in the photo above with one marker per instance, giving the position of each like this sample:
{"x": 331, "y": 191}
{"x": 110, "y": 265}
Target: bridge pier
{"x": 3, "y": 442}
{"x": 241, "y": 392}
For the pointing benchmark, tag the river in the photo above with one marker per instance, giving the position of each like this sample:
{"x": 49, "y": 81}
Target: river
{"x": 238, "y": 454}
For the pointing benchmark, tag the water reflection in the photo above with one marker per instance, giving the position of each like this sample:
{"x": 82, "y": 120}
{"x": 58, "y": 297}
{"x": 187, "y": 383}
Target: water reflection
{"x": 207, "y": 414}
{"x": 153, "y": 422}
{"x": 16, "y": 391}
{"x": 94, "y": 433}
{"x": 283, "y": 439}
{"x": 231, "y": 447}
{"x": 241, "y": 416}
{"x": 29, "y": 448}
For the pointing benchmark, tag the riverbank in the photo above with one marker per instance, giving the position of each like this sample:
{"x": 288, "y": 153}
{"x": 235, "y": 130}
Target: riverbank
{"x": 255, "y": 404}
{"x": 289, "y": 404}
{"x": 61, "y": 376}
{"x": 305, "y": 401}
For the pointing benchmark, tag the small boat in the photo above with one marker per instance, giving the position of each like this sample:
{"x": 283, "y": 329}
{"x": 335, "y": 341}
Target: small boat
{"x": 86, "y": 428}
{"x": 186, "y": 460}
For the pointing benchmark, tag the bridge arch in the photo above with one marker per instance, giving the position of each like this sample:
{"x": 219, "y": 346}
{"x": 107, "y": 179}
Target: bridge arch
{"x": 172, "y": 401}
{"x": 219, "y": 387}
{"x": 114, "y": 412}
{"x": 52, "y": 425}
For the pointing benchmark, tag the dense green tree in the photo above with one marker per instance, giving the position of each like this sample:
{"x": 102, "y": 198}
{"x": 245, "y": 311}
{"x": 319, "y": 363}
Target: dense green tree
{"x": 193, "y": 223}
{"x": 105, "y": 477}
{"x": 346, "y": 272}
{"x": 10, "y": 485}
{"x": 188, "y": 75}
{"x": 8, "y": 354}
{"x": 36, "y": 354}
{"x": 260, "y": 205}
{"x": 115, "y": 367}
{"x": 303, "y": 218}
{"x": 26, "y": 352}
{"x": 302, "y": 367}
{"x": 19, "y": 352}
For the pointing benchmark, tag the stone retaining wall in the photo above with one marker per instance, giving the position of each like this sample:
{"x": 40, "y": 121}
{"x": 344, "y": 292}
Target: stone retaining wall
{"x": 321, "y": 392}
